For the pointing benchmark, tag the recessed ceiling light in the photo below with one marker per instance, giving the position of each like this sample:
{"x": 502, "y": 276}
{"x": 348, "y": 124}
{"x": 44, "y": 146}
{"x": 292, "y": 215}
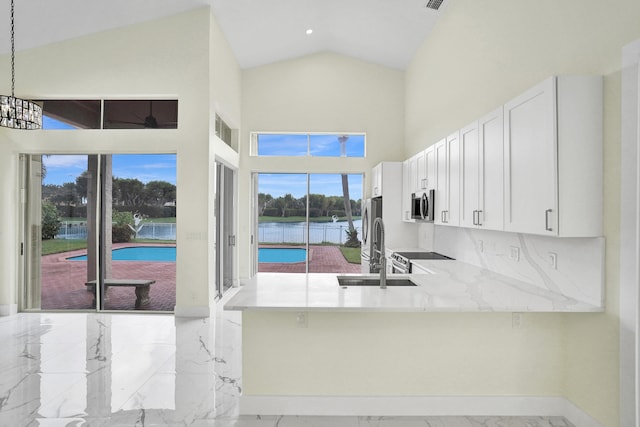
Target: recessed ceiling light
{"x": 309, "y": 31}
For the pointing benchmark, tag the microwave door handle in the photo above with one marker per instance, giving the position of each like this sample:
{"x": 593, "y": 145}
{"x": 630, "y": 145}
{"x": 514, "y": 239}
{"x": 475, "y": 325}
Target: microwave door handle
{"x": 424, "y": 206}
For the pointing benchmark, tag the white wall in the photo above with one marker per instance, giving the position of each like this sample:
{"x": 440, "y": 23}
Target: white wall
{"x": 168, "y": 57}
{"x": 402, "y": 354}
{"x": 319, "y": 93}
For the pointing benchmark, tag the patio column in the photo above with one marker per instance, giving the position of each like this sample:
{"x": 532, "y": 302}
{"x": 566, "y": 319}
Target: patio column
{"x": 92, "y": 215}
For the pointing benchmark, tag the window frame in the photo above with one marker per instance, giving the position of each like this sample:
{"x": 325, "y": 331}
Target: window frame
{"x": 253, "y": 152}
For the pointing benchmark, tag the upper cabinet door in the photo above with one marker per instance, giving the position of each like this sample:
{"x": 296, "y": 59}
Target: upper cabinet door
{"x": 452, "y": 216}
{"x": 530, "y": 169}
{"x": 376, "y": 181}
{"x": 470, "y": 175}
{"x": 407, "y": 189}
{"x": 553, "y": 145}
{"x": 490, "y": 213}
{"x": 430, "y": 166}
{"x": 441, "y": 203}
{"x": 421, "y": 162}
{"x": 481, "y": 169}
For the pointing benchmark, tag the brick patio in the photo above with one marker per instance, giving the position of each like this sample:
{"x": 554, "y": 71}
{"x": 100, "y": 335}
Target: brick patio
{"x": 322, "y": 259}
{"x": 63, "y": 281}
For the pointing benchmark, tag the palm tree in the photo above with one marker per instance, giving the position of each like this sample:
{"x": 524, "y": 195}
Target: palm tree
{"x": 351, "y": 232}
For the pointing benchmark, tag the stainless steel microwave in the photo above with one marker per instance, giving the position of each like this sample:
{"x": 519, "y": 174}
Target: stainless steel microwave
{"x": 422, "y": 206}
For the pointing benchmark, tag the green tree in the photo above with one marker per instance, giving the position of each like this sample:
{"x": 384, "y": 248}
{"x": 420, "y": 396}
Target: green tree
{"x": 128, "y": 192}
{"x": 159, "y": 192}
{"x": 263, "y": 202}
{"x": 51, "y": 221}
{"x": 345, "y": 190}
{"x": 82, "y": 184}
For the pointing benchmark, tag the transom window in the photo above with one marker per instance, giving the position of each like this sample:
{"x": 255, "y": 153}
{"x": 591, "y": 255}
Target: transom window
{"x": 308, "y": 144}
{"x": 69, "y": 114}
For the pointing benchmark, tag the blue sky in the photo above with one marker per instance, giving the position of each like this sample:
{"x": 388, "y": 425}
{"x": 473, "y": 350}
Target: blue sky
{"x": 321, "y": 145}
{"x": 63, "y": 168}
{"x": 162, "y": 167}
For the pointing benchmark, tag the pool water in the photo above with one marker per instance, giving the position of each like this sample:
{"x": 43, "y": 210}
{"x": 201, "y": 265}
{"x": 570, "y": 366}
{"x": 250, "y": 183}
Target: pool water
{"x": 139, "y": 253}
{"x": 282, "y": 255}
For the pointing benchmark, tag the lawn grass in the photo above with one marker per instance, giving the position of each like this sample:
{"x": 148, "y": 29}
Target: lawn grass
{"x": 152, "y": 241}
{"x": 56, "y": 246}
{"x": 352, "y": 255}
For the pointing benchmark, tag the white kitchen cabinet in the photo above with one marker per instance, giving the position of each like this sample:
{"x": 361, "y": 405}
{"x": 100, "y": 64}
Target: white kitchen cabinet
{"x": 481, "y": 173}
{"x": 397, "y": 232}
{"x": 413, "y": 173}
{"x": 422, "y": 181}
{"x": 407, "y": 190}
{"x": 430, "y": 167}
{"x": 553, "y": 180}
{"x": 376, "y": 180}
{"x": 447, "y": 177}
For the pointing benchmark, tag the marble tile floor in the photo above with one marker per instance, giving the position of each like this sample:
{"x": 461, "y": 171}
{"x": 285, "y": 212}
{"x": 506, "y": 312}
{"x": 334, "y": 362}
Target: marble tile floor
{"x": 95, "y": 370}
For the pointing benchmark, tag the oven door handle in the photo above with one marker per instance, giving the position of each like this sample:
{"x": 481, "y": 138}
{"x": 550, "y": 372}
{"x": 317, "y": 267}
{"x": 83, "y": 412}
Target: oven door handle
{"x": 397, "y": 267}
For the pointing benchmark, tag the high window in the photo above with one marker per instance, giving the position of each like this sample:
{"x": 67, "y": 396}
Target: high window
{"x": 308, "y": 144}
{"x": 68, "y": 114}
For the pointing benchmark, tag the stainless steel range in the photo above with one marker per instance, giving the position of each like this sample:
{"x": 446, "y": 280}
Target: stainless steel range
{"x": 401, "y": 261}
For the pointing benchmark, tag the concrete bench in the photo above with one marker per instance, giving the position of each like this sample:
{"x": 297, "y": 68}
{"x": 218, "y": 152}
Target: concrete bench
{"x": 142, "y": 288}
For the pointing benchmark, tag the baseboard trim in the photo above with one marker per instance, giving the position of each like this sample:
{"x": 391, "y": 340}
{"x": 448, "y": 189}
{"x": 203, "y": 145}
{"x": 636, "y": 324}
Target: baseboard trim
{"x": 189, "y": 311}
{"x": 416, "y": 406}
{"x": 8, "y": 309}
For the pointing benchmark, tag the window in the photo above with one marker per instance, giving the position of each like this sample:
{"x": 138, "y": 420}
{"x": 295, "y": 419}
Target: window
{"x": 223, "y": 131}
{"x": 315, "y": 145}
{"x": 304, "y": 224}
{"x": 141, "y": 114}
{"x": 71, "y": 114}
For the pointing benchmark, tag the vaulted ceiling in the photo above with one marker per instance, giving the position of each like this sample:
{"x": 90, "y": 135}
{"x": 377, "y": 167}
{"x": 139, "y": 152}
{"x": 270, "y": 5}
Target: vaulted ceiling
{"x": 386, "y": 32}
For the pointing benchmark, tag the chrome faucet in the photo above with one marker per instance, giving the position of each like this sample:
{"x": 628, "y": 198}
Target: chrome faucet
{"x": 379, "y": 251}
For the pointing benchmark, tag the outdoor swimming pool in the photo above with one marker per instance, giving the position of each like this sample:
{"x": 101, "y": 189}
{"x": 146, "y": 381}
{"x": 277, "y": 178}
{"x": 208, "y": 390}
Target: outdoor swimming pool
{"x": 168, "y": 254}
{"x": 282, "y": 255}
{"x": 139, "y": 253}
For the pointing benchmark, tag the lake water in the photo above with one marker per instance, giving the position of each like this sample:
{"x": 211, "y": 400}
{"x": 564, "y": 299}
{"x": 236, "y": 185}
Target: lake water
{"x": 295, "y": 232}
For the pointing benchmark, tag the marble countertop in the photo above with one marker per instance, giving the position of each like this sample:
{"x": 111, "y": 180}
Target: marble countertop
{"x": 452, "y": 286}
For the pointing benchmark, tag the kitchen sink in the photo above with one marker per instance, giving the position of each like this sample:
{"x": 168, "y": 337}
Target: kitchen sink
{"x": 372, "y": 281}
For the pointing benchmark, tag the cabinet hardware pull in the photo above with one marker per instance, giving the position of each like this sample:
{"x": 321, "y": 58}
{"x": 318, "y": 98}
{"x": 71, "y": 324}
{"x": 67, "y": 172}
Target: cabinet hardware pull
{"x": 474, "y": 218}
{"x": 442, "y": 216}
{"x": 479, "y": 222}
{"x": 547, "y": 227}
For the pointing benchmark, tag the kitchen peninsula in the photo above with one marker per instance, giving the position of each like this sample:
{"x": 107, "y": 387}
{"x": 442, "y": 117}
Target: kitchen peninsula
{"x": 453, "y": 286}
{"x": 464, "y": 340}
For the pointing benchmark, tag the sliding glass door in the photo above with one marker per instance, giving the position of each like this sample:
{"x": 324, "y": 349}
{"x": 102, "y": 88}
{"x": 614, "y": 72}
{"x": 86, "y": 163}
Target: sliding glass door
{"x": 225, "y": 212}
{"x": 309, "y": 222}
{"x": 99, "y": 232}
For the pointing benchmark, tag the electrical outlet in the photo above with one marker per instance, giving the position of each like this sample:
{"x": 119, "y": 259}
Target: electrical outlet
{"x": 302, "y": 320}
{"x": 516, "y": 320}
{"x": 553, "y": 260}
{"x": 514, "y": 253}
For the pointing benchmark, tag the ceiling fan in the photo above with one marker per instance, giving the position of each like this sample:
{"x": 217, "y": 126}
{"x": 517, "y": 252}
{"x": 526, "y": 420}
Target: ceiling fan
{"x": 148, "y": 122}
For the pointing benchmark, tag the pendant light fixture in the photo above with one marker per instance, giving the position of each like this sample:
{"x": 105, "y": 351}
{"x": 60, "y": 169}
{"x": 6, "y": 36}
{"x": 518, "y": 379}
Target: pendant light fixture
{"x": 18, "y": 113}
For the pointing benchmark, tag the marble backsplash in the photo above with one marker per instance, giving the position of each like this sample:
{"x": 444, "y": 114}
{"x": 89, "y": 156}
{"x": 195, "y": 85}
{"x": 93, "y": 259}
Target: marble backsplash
{"x": 570, "y": 266}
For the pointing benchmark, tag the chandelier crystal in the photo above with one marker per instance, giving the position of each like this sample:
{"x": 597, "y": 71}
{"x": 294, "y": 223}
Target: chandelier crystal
{"x": 18, "y": 113}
